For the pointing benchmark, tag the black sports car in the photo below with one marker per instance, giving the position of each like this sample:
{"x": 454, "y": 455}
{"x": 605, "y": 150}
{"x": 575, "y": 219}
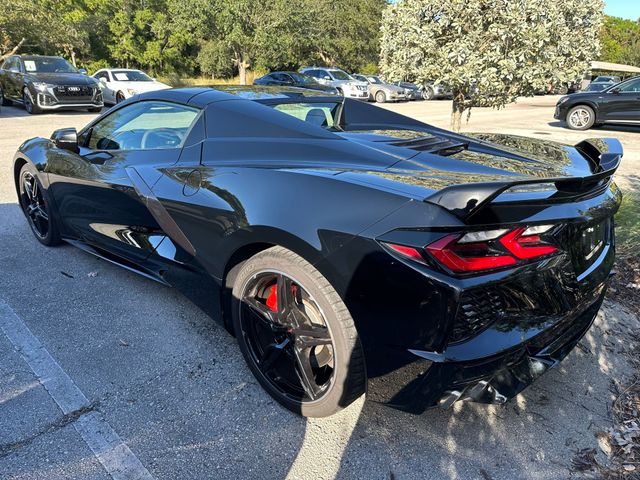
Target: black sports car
{"x": 618, "y": 103}
{"x": 345, "y": 246}
{"x": 43, "y": 83}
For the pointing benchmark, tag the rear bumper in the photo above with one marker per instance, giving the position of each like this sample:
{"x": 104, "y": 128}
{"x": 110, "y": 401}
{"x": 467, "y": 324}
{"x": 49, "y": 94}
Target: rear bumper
{"x": 497, "y": 378}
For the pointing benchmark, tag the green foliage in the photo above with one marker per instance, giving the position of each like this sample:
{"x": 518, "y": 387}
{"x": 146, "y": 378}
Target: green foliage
{"x": 620, "y": 40}
{"x": 489, "y": 52}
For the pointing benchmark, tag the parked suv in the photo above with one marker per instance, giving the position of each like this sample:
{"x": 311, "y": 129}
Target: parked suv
{"x": 341, "y": 80}
{"x": 47, "y": 83}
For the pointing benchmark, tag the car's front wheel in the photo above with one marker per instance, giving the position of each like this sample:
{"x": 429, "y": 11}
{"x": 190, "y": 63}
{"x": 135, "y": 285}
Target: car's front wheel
{"x": 29, "y": 104}
{"x": 296, "y": 334}
{"x": 428, "y": 93}
{"x": 581, "y": 117}
{"x": 381, "y": 97}
{"x": 37, "y": 207}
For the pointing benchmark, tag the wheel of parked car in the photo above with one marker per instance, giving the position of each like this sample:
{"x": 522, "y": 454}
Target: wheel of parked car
{"x": 29, "y": 106}
{"x": 296, "y": 334}
{"x": 119, "y": 97}
{"x": 428, "y": 93}
{"x": 581, "y": 117}
{"x": 381, "y": 97}
{"x": 36, "y": 207}
{"x": 4, "y": 101}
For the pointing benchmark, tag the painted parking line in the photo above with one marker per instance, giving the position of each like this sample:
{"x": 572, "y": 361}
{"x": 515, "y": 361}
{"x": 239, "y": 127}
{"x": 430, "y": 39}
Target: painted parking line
{"x": 114, "y": 455}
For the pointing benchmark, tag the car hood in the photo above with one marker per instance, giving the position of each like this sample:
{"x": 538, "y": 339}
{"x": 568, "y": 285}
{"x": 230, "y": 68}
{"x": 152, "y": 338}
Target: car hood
{"x": 142, "y": 87}
{"x": 62, "y": 78}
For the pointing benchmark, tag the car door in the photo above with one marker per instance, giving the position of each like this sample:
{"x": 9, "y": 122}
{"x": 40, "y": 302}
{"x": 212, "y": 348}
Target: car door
{"x": 94, "y": 190}
{"x": 622, "y": 103}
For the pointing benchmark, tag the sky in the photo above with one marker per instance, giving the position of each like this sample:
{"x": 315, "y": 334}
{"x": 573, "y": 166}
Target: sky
{"x": 629, "y": 9}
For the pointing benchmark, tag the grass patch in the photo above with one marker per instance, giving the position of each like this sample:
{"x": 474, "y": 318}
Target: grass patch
{"x": 628, "y": 225}
{"x": 177, "y": 81}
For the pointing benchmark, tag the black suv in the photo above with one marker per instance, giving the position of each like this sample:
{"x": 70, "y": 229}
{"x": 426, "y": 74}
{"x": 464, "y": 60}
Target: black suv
{"x": 619, "y": 103}
{"x": 47, "y": 83}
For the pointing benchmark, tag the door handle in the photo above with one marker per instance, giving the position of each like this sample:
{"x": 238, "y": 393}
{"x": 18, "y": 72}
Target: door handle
{"x": 98, "y": 158}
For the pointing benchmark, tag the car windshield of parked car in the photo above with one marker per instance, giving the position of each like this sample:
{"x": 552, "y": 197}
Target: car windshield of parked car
{"x": 143, "y": 126}
{"x": 48, "y": 65}
{"x": 375, "y": 80}
{"x": 320, "y": 114}
{"x": 340, "y": 75}
{"x": 131, "y": 76}
{"x": 304, "y": 79}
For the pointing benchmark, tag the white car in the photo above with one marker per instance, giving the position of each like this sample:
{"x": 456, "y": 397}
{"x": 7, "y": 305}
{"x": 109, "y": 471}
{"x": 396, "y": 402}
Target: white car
{"x": 341, "y": 80}
{"x": 118, "y": 84}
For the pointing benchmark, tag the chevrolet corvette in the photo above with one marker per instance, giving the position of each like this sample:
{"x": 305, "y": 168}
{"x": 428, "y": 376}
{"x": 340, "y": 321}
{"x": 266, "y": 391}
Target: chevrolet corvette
{"x": 348, "y": 248}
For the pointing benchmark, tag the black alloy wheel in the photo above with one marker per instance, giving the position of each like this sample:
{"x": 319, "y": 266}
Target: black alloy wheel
{"x": 296, "y": 335}
{"x": 36, "y": 208}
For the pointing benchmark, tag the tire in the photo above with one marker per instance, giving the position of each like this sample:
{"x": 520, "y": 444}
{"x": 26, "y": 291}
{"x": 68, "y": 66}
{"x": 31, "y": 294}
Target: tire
{"x": 335, "y": 366}
{"x": 29, "y": 106}
{"x": 428, "y": 93}
{"x": 580, "y": 117}
{"x": 381, "y": 97}
{"x": 340, "y": 92}
{"x": 46, "y": 232}
{"x": 119, "y": 97}
{"x": 5, "y": 102}
{"x": 95, "y": 110}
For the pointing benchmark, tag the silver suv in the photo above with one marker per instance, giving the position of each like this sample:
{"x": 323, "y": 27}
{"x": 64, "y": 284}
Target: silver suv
{"x": 341, "y": 80}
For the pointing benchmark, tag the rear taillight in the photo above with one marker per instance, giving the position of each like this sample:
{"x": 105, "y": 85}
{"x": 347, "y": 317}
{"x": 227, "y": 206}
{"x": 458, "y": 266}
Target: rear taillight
{"x": 475, "y": 252}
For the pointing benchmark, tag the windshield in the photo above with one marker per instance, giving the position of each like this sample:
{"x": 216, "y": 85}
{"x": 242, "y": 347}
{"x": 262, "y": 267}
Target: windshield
{"x": 131, "y": 76}
{"x": 302, "y": 78}
{"x": 48, "y": 65}
{"x": 373, "y": 79}
{"x": 340, "y": 75}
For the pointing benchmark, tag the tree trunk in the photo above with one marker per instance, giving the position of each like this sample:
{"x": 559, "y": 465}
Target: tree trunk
{"x": 242, "y": 71}
{"x": 457, "y": 110}
{"x": 13, "y": 50}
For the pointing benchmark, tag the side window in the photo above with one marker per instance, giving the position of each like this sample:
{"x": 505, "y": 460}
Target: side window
{"x": 143, "y": 126}
{"x": 631, "y": 87}
{"x": 102, "y": 75}
{"x": 10, "y": 63}
{"x": 313, "y": 73}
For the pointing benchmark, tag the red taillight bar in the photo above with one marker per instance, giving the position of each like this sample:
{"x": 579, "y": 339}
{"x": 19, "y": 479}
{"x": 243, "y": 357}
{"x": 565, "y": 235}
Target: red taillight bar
{"x": 503, "y": 248}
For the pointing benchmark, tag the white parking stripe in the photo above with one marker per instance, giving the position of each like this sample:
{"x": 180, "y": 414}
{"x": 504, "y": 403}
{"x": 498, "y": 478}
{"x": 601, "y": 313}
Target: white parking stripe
{"x": 114, "y": 455}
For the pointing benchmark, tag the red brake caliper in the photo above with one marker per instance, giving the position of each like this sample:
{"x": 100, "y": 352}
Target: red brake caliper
{"x": 272, "y": 299}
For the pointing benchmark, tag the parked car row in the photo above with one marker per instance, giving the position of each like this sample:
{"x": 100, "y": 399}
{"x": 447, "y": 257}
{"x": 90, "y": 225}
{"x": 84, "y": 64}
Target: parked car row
{"x": 355, "y": 85}
{"x": 48, "y": 83}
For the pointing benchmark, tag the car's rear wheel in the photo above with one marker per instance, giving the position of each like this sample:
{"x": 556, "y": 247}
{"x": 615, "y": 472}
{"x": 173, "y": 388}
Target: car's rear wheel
{"x": 119, "y": 97}
{"x": 296, "y": 334}
{"x": 36, "y": 207}
{"x": 4, "y": 100}
{"x": 381, "y": 97}
{"x": 581, "y": 117}
{"x": 29, "y": 105}
{"x": 428, "y": 93}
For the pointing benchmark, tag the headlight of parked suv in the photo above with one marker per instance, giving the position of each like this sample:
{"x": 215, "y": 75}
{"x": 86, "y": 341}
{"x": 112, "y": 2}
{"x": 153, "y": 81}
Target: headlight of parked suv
{"x": 41, "y": 86}
{"x": 562, "y": 100}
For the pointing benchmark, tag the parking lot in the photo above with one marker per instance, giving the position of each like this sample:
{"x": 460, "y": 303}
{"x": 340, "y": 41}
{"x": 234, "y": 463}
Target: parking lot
{"x": 174, "y": 390}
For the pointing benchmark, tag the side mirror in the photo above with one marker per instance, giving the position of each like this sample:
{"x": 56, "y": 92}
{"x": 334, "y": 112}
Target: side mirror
{"x": 66, "y": 139}
{"x": 615, "y": 91}
{"x": 83, "y": 71}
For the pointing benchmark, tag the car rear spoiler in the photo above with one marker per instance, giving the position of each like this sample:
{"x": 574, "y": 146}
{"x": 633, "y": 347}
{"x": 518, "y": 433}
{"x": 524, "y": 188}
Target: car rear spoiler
{"x": 465, "y": 200}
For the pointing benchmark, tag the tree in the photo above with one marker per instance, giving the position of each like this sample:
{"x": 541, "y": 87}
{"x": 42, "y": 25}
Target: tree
{"x": 620, "y": 40}
{"x": 489, "y": 52}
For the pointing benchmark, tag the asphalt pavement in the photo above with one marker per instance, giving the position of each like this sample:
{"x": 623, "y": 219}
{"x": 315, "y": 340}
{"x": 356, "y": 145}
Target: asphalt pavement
{"x": 104, "y": 374}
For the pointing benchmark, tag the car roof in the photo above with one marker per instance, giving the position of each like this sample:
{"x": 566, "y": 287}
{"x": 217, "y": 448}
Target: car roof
{"x": 29, "y": 56}
{"x": 203, "y": 96}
